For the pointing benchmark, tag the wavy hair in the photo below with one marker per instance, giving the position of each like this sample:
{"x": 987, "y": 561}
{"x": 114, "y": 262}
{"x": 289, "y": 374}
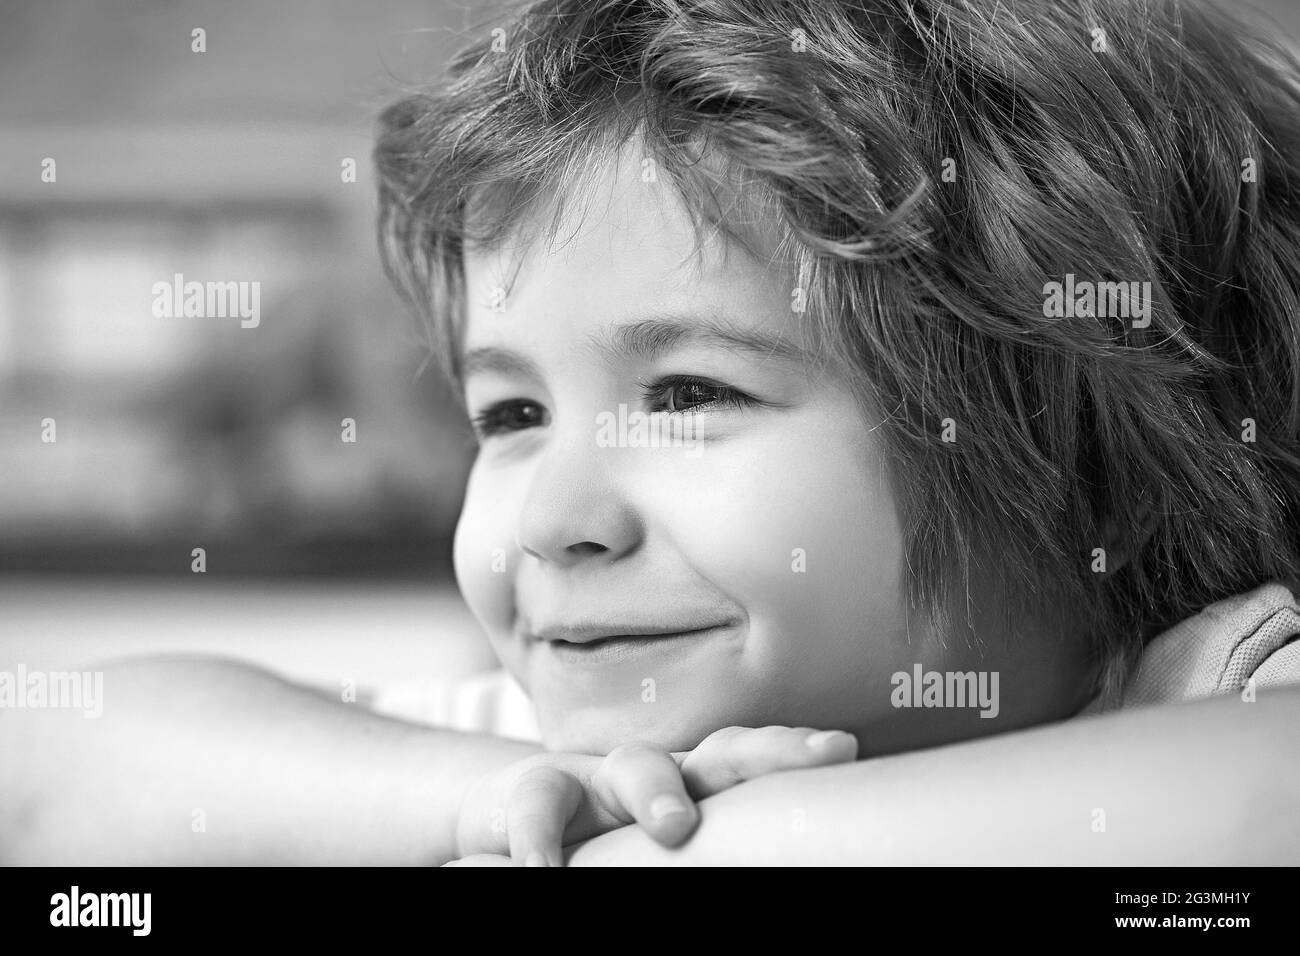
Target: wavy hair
{"x": 931, "y": 165}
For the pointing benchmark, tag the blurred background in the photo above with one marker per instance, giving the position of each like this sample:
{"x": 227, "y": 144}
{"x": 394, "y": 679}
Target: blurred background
{"x": 325, "y": 559}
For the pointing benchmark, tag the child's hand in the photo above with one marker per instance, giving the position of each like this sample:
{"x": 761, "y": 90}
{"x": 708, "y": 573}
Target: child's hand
{"x": 533, "y": 808}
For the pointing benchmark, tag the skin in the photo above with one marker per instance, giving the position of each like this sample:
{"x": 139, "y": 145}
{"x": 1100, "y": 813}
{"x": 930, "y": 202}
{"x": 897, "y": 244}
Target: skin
{"x": 558, "y": 529}
{"x": 1206, "y": 783}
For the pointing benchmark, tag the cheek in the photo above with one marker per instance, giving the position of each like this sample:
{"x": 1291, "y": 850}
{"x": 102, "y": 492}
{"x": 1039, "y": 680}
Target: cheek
{"x": 811, "y": 533}
{"x": 804, "y": 534}
{"x": 484, "y": 555}
{"x": 843, "y": 579}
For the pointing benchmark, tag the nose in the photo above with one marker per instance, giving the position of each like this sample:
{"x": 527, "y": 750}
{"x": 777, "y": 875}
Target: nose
{"x": 574, "y": 510}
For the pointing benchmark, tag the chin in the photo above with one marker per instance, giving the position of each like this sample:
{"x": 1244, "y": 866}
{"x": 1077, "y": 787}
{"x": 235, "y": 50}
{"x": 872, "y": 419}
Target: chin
{"x": 600, "y": 731}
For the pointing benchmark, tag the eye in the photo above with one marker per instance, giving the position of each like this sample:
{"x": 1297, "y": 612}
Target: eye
{"x": 512, "y": 415}
{"x": 685, "y": 393}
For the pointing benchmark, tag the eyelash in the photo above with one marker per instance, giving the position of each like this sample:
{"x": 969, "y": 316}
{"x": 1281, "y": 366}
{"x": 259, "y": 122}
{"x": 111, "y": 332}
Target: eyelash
{"x": 493, "y": 419}
{"x": 728, "y": 396}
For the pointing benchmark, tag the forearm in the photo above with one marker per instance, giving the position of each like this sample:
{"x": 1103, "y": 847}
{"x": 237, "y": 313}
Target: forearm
{"x": 1213, "y": 782}
{"x": 203, "y": 761}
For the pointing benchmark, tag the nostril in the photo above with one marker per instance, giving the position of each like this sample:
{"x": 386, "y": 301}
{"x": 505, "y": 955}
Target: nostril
{"x": 585, "y": 548}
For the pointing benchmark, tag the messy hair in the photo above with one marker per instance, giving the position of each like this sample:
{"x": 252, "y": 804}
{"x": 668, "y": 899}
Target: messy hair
{"x": 931, "y": 166}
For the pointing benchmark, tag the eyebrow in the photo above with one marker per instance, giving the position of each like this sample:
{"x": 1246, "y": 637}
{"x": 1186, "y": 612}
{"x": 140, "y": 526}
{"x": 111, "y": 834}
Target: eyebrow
{"x": 647, "y": 338}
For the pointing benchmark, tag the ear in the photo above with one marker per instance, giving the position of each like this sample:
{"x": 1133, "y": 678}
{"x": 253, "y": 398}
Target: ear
{"x": 1120, "y": 547}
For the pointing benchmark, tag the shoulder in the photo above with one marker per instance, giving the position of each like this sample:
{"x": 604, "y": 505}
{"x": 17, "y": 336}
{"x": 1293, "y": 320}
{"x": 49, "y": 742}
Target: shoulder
{"x": 1250, "y": 640}
{"x": 491, "y": 703}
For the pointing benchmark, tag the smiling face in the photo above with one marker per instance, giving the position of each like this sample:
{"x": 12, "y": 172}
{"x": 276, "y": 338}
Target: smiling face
{"x": 753, "y": 575}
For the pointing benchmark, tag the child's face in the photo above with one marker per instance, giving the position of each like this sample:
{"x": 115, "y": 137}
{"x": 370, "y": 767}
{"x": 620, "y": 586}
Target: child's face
{"x": 773, "y": 542}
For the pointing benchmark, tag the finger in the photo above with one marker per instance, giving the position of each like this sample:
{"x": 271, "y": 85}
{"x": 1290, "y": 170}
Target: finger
{"x": 482, "y": 859}
{"x": 736, "y": 754}
{"x": 539, "y": 807}
{"x": 642, "y": 784}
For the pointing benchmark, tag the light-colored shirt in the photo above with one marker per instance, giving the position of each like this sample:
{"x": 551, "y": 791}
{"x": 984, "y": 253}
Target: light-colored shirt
{"x": 1234, "y": 646}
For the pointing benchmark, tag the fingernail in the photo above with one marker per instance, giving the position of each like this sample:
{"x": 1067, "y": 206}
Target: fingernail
{"x": 535, "y": 859}
{"x": 666, "y": 805}
{"x": 822, "y": 736}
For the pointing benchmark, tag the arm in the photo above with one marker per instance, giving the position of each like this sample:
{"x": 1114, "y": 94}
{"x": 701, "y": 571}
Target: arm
{"x": 1212, "y": 782}
{"x": 280, "y": 774}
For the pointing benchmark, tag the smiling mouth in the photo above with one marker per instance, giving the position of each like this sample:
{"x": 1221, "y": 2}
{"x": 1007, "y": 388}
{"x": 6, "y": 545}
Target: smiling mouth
{"x": 619, "y": 647}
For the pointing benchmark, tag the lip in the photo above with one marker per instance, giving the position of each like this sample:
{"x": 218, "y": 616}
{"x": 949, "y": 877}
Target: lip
{"x": 606, "y": 645}
{"x": 593, "y": 632}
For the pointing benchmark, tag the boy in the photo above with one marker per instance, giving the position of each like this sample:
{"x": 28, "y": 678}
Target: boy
{"x": 823, "y": 242}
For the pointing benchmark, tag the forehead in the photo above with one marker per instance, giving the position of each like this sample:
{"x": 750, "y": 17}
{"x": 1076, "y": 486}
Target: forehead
{"x": 619, "y": 241}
